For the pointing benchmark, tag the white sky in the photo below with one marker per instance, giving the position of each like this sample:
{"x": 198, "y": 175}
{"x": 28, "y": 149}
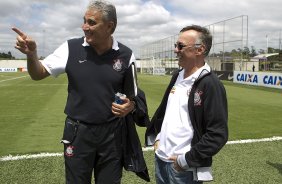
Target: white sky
{"x": 140, "y": 22}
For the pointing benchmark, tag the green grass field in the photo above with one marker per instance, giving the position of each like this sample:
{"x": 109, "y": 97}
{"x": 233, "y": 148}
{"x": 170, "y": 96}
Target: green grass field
{"x": 32, "y": 118}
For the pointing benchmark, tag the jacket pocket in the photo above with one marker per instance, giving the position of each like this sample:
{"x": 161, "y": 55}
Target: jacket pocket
{"x": 70, "y": 131}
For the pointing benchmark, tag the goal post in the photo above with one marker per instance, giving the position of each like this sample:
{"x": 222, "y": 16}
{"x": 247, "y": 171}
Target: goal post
{"x": 153, "y": 66}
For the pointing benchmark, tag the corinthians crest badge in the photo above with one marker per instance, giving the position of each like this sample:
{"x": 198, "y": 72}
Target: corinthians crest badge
{"x": 197, "y": 98}
{"x": 117, "y": 66}
{"x": 69, "y": 151}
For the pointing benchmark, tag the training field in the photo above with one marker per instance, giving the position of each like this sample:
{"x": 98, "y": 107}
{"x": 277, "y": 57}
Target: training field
{"x": 32, "y": 120}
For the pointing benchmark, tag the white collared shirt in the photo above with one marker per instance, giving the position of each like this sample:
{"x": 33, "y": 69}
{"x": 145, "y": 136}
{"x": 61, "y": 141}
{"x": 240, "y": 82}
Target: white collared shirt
{"x": 177, "y": 131}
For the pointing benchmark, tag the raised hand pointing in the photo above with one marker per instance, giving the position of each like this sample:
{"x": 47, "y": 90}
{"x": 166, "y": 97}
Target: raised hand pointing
{"x": 24, "y": 43}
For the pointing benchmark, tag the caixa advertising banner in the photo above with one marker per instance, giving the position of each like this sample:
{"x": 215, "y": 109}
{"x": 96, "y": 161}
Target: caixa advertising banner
{"x": 272, "y": 80}
{"x": 8, "y": 69}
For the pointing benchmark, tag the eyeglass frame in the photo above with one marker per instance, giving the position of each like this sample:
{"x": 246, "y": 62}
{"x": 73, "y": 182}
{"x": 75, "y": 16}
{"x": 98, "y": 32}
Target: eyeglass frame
{"x": 180, "y": 46}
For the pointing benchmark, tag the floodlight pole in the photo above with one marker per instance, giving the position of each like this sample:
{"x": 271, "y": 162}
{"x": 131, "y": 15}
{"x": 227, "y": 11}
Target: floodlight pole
{"x": 280, "y": 40}
{"x": 266, "y": 44}
{"x": 43, "y": 53}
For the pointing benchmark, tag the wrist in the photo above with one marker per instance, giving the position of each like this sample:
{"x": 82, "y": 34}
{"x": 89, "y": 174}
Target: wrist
{"x": 181, "y": 161}
{"x": 32, "y": 56}
{"x": 134, "y": 106}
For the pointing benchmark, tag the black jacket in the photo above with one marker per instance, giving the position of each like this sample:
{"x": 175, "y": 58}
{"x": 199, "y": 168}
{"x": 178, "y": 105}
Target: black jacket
{"x": 207, "y": 106}
{"x": 133, "y": 159}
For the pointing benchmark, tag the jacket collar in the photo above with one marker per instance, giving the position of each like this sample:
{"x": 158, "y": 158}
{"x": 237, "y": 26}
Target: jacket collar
{"x": 200, "y": 73}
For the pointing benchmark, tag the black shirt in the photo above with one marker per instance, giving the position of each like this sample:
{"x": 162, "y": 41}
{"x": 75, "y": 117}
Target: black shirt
{"x": 93, "y": 81}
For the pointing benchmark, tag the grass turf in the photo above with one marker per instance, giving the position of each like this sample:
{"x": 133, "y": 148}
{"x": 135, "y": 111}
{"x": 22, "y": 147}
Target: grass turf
{"x": 31, "y": 121}
{"x": 236, "y": 164}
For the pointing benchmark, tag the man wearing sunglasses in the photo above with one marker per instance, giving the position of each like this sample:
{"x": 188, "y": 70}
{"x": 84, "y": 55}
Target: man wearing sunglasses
{"x": 190, "y": 125}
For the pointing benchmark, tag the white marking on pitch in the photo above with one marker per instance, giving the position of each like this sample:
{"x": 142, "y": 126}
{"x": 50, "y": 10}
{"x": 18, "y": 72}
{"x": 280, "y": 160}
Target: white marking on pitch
{"x": 21, "y": 157}
{"x": 13, "y": 78}
{"x": 237, "y": 142}
{"x": 42, "y": 155}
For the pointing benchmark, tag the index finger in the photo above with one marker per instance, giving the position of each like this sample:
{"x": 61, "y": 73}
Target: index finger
{"x": 19, "y": 32}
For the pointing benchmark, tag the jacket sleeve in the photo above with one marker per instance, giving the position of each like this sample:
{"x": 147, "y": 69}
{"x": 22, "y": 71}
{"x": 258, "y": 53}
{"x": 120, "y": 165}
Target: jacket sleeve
{"x": 140, "y": 115}
{"x": 133, "y": 159}
{"x": 210, "y": 127}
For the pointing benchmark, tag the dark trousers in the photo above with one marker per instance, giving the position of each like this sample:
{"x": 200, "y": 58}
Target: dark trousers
{"x": 93, "y": 148}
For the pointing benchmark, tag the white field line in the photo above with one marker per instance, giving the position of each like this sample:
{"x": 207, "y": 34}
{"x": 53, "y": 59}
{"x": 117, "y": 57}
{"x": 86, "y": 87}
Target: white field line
{"x": 42, "y": 155}
{"x": 255, "y": 140}
{"x": 50, "y": 84}
{"x": 31, "y": 84}
{"x": 13, "y": 78}
{"x": 21, "y": 157}
{"x": 235, "y": 142}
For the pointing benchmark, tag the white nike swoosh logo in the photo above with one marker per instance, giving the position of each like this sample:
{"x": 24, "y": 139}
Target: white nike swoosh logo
{"x": 82, "y": 61}
{"x": 220, "y": 75}
{"x": 230, "y": 77}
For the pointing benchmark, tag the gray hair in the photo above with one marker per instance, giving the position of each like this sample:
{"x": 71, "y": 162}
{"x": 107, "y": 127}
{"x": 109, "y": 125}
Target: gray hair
{"x": 108, "y": 11}
{"x": 205, "y": 37}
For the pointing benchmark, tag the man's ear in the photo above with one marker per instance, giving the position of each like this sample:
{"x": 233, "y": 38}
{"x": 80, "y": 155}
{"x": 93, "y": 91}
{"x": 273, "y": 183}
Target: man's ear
{"x": 200, "y": 49}
{"x": 111, "y": 25}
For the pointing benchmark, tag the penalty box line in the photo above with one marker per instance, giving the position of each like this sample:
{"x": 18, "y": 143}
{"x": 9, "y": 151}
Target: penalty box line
{"x": 151, "y": 148}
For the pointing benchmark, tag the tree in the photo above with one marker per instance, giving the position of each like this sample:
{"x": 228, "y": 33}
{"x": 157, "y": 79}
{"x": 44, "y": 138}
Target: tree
{"x": 235, "y": 53}
{"x": 6, "y": 56}
{"x": 272, "y": 50}
{"x": 261, "y": 51}
{"x": 253, "y": 51}
{"x": 246, "y": 52}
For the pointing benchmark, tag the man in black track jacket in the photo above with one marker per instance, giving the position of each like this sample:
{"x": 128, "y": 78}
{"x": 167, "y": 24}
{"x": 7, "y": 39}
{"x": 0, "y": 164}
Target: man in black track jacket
{"x": 190, "y": 125}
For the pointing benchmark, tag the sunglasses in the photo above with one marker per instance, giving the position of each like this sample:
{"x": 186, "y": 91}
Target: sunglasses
{"x": 180, "y": 46}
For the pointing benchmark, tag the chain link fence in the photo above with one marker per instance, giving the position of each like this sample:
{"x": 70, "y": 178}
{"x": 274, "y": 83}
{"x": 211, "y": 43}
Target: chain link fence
{"x": 230, "y": 37}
